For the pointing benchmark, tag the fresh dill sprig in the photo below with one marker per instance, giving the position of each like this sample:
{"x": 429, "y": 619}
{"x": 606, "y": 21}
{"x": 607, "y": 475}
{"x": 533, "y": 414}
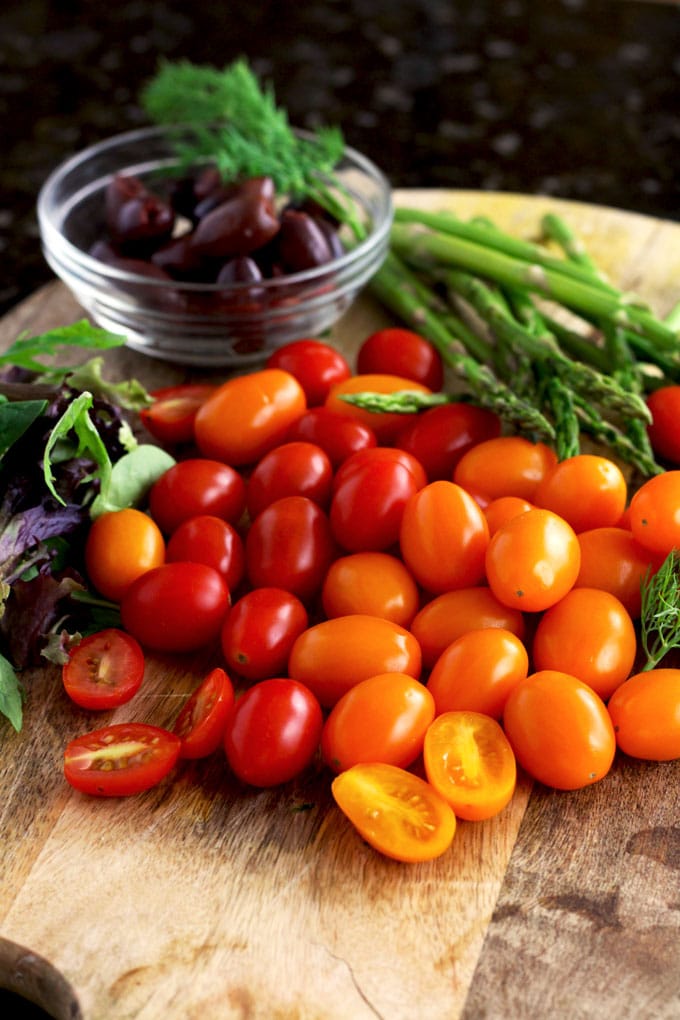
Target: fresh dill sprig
{"x": 660, "y": 613}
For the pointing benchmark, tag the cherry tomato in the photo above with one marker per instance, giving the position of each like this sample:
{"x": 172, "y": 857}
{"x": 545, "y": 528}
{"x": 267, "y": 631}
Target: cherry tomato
{"x": 213, "y": 541}
{"x": 170, "y": 418}
{"x": 504, "y": 466}
{"x": 177, "y": 607}
{"x": 452, "y": 614}
{"x": 316, "y": 365}
{"x": 401, "y": 352}
{"x": 120, "y": 760}
{"x": 290, "y": 545}
{"x": 104, "y": 670}
{"x": 368, "y": 505}
{"x": 334, "y": 655}
{"x": 645, "y": 712}
{"x": 337, "y": 435}
{"x": 384, "y": 424}
{"x": 372, "y": 456}
{"x": 202, "y": 721}
{"x": 194, "y": 487}
{"x": 560, "y": 730}
{"x": 469, "y": 761}
{"x": 259, "y": 632}
{"x": 439, "y": 436}
{"x": 533, "y": 561}
{"x": 501, "y": 510}
{"x": 477, "y": 672}
{"x": 613, "y": 561}
{"x": 664, "y": 435}
{"x": 248, "y": 415}
{"x": 374, "y": 583}
{"x": 120, "y": 546}
{"x": 655, "y": 514}
{"x": 587, "y": 490}
{"x": 589, "y": 634}
{"x": 397, "y": 813}
{"x": 443, "y": 537}
{"x": 292, "y": 469}
{"x": 273, "y": 732}
{"x": 384, "y": 718}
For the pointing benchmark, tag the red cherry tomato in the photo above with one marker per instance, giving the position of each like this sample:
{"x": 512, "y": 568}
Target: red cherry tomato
{"x": 104, "y": 670}
{"x": 170, "y": 418}
{"x": 273, "y": 732}
{"x": 201, "y": 723}
{"x": 368, "y": 505}
{"x": 120, "y": 760}
{"x": 248, "y": 415}
{"x": 292, "y": 469}
{"x": 377, "y": 455}
{"x": 316, "y": 365}
{"x": 337, "y": 435}
{"x": 178, "y": 607}
{"x": 384, "y": 424}
{"x": 290, "y": 545}
{"x": 260, "y": 630}
{"x": 210, "y": 540}
{"x": 194, "y": 487}
{"x": 664, "y": 434}
{"x": 440, "y": 436}
{"x": 401, "y": 352}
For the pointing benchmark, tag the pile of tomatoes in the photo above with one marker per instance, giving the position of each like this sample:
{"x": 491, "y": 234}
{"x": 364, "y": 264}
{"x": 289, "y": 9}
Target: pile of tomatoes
{"x": 420, "y": 602}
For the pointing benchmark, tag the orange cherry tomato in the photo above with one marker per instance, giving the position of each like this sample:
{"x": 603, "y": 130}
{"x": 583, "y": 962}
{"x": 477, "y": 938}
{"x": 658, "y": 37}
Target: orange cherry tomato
{"x": 384, "y": 424}
{"x": 374, "y": 583}
{"x": 478, "y": 671}
{"x": 395, "y": 812}
{"x": 501, "y": 510}
{"x": 334, "y": 655}
{"x": 453, "y": 613}
{"x": 645, "y": 712}
{"x": 469, "y": 761}
{"x": 533, "y": 560}
{"x": 248, "y": 415}
{"x": 121, "y": 545}
{"x": 560, "y": 730}
{"x": 202, "y": 721}
{"x": 383, "y": 718}
{"x": 444, "y": 537}
{"x": 655, "y": 513}
{"x": 587, "y": 490}
{"x": 505, "y": 466}
{"x": 590, "y": 634}
{"x": 612, "y": 560}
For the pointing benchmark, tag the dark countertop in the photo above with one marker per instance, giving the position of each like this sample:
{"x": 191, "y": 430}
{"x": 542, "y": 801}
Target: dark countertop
{"x": 576, "y": 98}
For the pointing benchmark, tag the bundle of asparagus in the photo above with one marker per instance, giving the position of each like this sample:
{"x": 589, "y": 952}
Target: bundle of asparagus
{"x": 492, "y": 305}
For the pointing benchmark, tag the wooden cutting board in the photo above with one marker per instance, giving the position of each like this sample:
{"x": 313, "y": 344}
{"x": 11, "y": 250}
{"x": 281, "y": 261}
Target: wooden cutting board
{"x": 204, "y": 899}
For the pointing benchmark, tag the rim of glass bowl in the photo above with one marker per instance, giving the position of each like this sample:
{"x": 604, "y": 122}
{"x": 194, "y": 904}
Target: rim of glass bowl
{"x": 90, "y": 270}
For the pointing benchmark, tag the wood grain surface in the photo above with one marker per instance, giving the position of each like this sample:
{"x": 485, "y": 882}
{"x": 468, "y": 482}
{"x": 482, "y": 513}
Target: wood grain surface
{"x": 205, "y": 899}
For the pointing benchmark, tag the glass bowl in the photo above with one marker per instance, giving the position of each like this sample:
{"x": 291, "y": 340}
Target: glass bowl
{"x": 200, "y": 323}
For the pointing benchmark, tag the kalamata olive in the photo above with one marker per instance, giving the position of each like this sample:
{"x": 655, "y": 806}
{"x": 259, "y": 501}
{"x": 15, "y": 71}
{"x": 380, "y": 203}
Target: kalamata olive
{"x": 164, "y": 297}
{"x": 240, "y": 225}
{"x": 179, "y": 259}
{"x": 240, "y": 269}
{"x": 133, "y": 213}
{"x": 302, "y": 244}
{"x": 331, "y": 235}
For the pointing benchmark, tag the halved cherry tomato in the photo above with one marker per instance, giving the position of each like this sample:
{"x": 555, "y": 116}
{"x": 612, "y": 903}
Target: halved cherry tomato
{"x": 120, "y": 760}
{"x": 395, "y": 811}
{"x": 664, "y": 436}
{"x": 383, "y": 718}
{"x": 645, "y": 712}
{"x": 273, "y": 732}
{"x": 213, "y": 541}
{"x": 560, "y": 730}
{"x": 611, "y": 559}
{"x": 401, "y": 352}
{"x": 260, "y": 630}
{"x": 197, "y": 486}
{"x": 316, "y": 365}
{"x": 504, "y": 466}
{"x": 291, "y": 469}
{"x": 469, "y": 761}
{"x": 202, "y": 721}
{"x": 374, "y": 583}
{"x": 337, "y": 435}
{"x": 104, "y": 670}
{"x": 120, "y": 546}
{"x": 384, "y": 424}
{"x": 654, "y": 518}
{"x": 170, "y": 418}
{"x": 477, "y": 672}
{"x": 588, "y": 491}
{"x": 440, "y": 436}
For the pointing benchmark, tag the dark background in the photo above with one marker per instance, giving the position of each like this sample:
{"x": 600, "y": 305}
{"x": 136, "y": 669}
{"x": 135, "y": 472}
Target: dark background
{"x": 576, "y": 98}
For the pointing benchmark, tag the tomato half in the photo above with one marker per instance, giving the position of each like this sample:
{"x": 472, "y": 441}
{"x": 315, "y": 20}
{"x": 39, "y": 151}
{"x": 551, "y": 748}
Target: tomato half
{"x": 395, "y": 811}
{"x": 316, "y": 365}
{"x": 260, "y": 630}
{"x": 478, "y": 671}
{"x": 170, "y": 418}
{"x": 120, "y": 760}
{"x": 197, "y": 486}
{"x": 202, "y": 721}
{"x": 401, "y": 352}
{"x": 645, "y": 712}
{"x": 104, "y": 670}
{"x": 469, "y": 761}
{"x": 120, "y": 546}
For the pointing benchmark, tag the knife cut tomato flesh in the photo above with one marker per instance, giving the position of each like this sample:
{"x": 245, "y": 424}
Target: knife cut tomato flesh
{"x": 104, "y": 670}
{"x": 121, "y": 759}
{"x": 202, "y": 721}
